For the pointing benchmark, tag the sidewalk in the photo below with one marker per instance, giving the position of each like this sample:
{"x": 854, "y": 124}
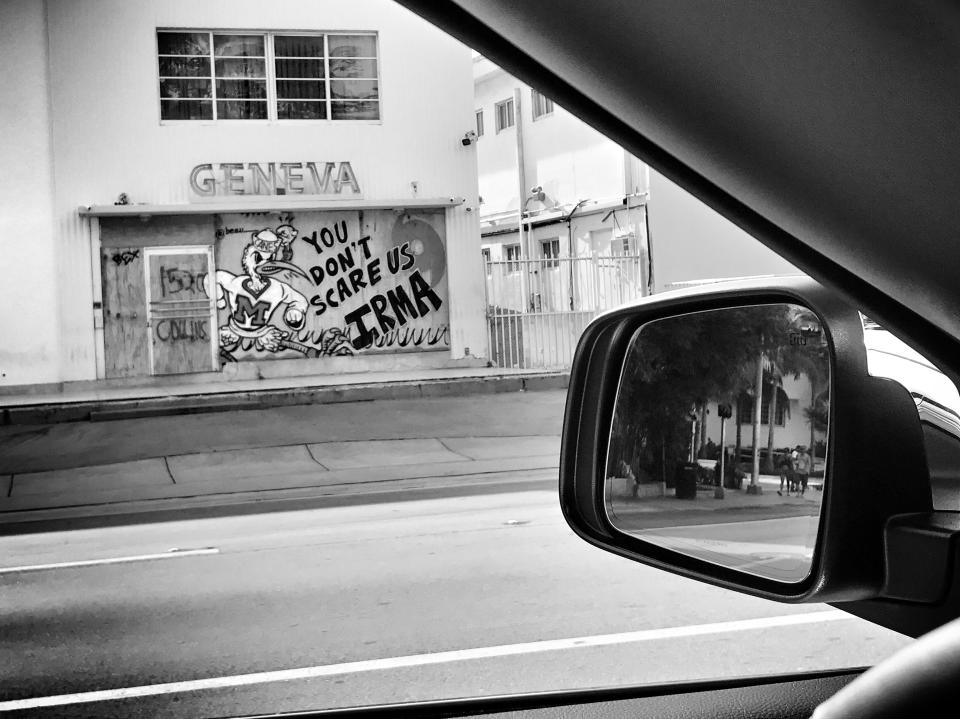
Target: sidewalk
{"x": 62, "y": 471}
{"x": 647, "y": 512}
{"x": 327, "y": 469}
{"x": 151, "y": 397}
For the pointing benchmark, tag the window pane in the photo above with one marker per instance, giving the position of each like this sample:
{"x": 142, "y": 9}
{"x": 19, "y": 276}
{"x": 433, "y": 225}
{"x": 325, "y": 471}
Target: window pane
{"x": 312, "y": 89}
{"x": 183, "y": 43}
{"x": 241, "y": 110}
{"x": 341, "y": 110}
{"x": 255, "y": 89}
{"x": 299, "y": 68}
{"x": 353, "y": 45}
{"x": 186, "y": 110}
{"x": 298, "y": 46}
{"x": 353, "y": 89}
{"x": 238, "y": 45}
{"x": 241, "y": 68}
{"x": 184, "y": 88}
{"x": 504, "y": 112}
{"x": 301, "y": 110}
{"x": 185, "y": 66}
{"x": 351, "y": 67}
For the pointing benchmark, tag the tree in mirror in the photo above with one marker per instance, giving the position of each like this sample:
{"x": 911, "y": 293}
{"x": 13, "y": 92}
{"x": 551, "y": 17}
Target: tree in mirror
{"x": 719, "y": 437}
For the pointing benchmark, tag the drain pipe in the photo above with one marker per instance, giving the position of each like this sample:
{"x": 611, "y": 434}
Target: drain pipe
{"x": 567, "y": 218}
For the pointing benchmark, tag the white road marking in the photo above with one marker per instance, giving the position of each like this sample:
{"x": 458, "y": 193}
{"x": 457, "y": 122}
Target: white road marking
{"x": 424, "y": 659}
{"x": 170, "y": 554}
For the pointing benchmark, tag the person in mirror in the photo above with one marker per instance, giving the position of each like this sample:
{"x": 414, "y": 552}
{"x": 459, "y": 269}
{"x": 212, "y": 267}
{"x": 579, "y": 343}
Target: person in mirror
{"x": 802, "y": 466}
{"x": 786, "y": 472}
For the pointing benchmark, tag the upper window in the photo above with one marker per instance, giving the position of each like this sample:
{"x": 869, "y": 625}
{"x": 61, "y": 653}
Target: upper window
{"x": 504, "y": 112}
{"x": 542, "y": 105}
{"x": 258, "y": 76}
{"x": 479, "y": 115}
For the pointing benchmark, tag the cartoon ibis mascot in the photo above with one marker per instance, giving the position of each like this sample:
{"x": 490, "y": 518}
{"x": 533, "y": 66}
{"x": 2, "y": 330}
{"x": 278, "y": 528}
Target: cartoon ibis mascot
{"x": 255, "y": 296}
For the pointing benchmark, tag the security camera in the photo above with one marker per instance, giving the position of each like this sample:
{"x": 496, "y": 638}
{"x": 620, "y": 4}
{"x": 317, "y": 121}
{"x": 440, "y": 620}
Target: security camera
{"x": 536, "y": 190}
{"x": 468, "y": 139}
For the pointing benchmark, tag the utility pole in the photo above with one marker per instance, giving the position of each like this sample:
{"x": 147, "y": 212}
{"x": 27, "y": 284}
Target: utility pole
{"x": 754, "y": 486}
{"x": 522, "y": 189}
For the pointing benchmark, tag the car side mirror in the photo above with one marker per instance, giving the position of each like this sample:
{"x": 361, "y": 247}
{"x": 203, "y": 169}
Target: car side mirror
{"x": 653, "y": 466}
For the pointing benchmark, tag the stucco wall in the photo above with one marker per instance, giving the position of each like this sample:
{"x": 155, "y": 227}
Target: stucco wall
{"x": 31, "y": 324}
{"x": 567, "y": 158}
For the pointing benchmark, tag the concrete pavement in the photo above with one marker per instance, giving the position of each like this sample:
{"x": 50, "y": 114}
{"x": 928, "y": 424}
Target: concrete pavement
{"x": 310, "y": 470}
{"x": 147, "y": 464}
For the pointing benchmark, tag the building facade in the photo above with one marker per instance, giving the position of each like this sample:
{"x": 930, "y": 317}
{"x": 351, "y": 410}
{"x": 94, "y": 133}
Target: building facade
{"x": 232, "y": 187}
{"x": 572, "y": 224}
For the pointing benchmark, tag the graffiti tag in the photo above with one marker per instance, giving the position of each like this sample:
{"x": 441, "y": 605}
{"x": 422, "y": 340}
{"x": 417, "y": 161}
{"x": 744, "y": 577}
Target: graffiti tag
{"x": 174, "y": 281}
{"x": 125, "y": 257}
{"x": 181, "y": 330}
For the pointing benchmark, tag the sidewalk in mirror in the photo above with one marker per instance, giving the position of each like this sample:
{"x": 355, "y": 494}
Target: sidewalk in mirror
{"x": 660, "y": 506}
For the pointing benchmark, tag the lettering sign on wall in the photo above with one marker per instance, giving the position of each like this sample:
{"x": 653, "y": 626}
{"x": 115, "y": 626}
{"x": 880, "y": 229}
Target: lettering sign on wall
{"x": 317, "y": 284}
{"x": 274, "y": 178}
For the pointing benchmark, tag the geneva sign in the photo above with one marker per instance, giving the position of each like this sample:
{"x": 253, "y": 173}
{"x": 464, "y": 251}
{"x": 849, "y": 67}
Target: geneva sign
{"x": 274, "y": 178}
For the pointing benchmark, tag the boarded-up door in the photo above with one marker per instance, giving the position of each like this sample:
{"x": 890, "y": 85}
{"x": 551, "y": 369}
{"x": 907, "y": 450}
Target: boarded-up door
{"x": 125, "y": 337}
{"x": 182, "y": 320}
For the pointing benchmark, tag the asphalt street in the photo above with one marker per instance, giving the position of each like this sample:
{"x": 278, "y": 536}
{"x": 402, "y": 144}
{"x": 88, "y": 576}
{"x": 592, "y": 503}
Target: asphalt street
{"x": 423, "y": 599}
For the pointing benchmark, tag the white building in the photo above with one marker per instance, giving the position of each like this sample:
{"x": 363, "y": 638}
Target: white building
{"x": 599, "y": 228}
{"x": 237, "y": 187}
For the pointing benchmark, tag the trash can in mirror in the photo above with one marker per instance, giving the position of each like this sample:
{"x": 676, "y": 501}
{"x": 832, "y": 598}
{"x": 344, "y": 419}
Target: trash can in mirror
{"x": 741, "y": 397}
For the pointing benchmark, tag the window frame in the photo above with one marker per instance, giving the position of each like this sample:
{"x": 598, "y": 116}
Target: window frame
{"x": 780, "y": 419}
{"x": 513, "y": 263}
{"x": 478, "y": 117}
{"x": 541, "y": 106}
{"x": 551, "y": 256}
{"x": 507, "y": 103}
{"x": 271, "y": 79}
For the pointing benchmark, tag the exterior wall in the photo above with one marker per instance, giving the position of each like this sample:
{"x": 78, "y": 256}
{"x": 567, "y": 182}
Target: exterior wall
{"x": 795, "y": 429}
{"x": 107, "y": 139}
{"x": 572, "y": 162}
{"x": 31, "y": 319}
{"x": 567, "y": 158}
{"x": 691, "y": 242}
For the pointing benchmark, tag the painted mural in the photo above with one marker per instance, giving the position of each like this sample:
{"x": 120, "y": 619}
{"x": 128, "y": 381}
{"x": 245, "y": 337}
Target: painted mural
{"x": 323, "y": 284}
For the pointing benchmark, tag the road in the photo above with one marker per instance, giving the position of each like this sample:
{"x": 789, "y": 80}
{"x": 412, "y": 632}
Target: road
{"x": 375, "y": 603}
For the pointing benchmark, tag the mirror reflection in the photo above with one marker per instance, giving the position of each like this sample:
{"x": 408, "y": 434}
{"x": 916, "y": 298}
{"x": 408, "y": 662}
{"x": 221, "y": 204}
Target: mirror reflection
{"x": 697, "y": 464}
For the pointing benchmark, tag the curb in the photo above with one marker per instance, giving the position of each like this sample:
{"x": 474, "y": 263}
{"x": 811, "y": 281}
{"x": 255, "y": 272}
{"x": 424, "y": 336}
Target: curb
{"x": 106, "y": 410}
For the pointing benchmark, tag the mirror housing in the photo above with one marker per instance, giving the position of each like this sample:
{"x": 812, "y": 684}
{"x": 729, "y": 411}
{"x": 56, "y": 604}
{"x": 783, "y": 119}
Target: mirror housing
{"x": 876, "y": 459}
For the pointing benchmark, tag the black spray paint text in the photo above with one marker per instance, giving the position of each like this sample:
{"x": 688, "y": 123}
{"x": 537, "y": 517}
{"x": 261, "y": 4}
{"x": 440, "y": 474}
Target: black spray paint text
{"x": 401, "y": 310}
{"x": 175, "y": 280}
{"x": 181, "y": 330}
{"x": 350, "y": 278}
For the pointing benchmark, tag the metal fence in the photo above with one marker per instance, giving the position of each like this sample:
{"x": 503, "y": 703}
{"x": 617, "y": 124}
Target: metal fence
{"x": 537, "y": 309}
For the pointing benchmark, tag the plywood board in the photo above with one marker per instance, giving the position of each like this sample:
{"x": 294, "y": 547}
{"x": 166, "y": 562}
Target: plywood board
{"x": 124, "y": 312}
